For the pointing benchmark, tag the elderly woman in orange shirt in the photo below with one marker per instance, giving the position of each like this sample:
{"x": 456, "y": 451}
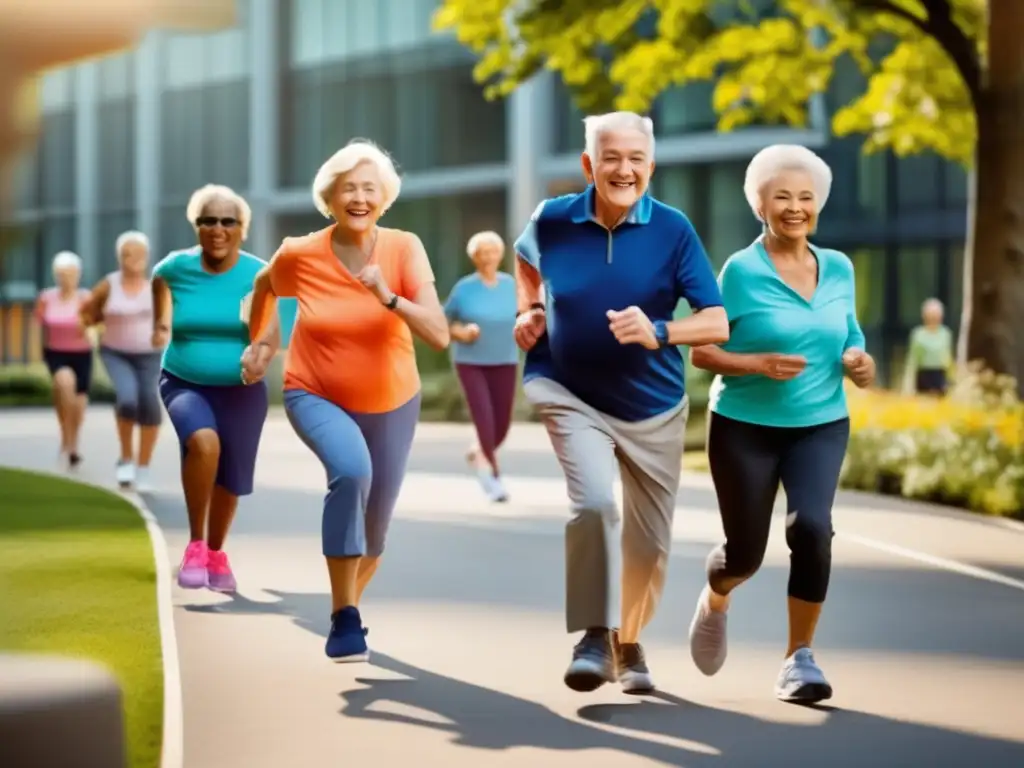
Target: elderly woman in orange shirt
{"x": 352, "y": 389}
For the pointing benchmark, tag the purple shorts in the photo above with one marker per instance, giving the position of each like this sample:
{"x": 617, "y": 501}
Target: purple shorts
{"x": 236, "y": 413}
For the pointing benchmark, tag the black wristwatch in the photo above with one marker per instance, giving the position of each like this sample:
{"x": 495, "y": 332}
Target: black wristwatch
{"x": 393, "y": 301}
{"x": 661, "y": 333}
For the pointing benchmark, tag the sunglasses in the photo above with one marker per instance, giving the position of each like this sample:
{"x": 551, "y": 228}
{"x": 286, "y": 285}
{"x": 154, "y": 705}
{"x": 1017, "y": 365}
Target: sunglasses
{"x": 212, "y": 221}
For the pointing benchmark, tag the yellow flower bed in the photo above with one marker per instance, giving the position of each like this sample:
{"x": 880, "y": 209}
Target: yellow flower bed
{"x": 966, "y": 448}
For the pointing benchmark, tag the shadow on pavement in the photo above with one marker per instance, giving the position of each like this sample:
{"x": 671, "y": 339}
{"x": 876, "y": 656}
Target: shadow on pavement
{"x": 484, "y": 718}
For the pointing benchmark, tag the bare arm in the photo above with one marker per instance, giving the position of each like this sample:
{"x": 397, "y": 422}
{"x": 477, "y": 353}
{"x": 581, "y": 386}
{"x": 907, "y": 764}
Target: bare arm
{"x": 461, "y": 332}
{"x": 425, "y": 316}
{"x": 264, "y": 324}
{"x": 710, "y": 357}
{"x": 161, "y": 305}
{"x": 708, "y": 326}
{"x": 529, "y": 286}
{"x": 91, "y": 311}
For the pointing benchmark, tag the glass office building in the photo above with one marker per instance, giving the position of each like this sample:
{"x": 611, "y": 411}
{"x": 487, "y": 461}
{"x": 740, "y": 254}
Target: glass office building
{"x": 126, "y": 139}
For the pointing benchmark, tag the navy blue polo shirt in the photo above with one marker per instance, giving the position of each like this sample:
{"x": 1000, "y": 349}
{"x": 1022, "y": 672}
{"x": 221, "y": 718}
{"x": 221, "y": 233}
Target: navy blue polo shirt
{"x": 652, "y": 260}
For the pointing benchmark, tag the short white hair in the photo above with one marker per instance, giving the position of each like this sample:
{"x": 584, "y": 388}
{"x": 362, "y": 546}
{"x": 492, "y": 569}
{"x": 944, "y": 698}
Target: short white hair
{"x": 345, "y": 160}
{"x": 933, "y": 304}
{"x": 203, "y": 196}
{"x": 126, "y": 238}
{"x": 66, "y": 260}
{"x": 482, "y": 239}
{"x": 771, "y": 161}
{"x": 595, "y": 126}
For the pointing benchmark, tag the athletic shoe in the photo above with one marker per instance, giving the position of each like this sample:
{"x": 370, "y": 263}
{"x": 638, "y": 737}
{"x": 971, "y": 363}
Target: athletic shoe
{"x": 801, "y": 679}
{"x": 347, "y": 641}
{"x": 125, "y": 473}
{"x": 708, "y": 646}
{"x": 498, "y": 492}
{"x": 219, "y": 575}
{"x": 74, "y": 459}
{"x": 192, "y": 571}
{"x": 593, "y": 661}
{"x": 631, "y": 668}
{"x": 143, "y": 484}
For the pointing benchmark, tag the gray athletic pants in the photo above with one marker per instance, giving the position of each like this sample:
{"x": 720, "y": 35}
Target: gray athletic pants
{"x": 613, "y": 561}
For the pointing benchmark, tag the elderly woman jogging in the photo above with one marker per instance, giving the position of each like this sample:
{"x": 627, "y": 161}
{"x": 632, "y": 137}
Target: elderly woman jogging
{"x": 778, "y": 411}
{"x": 599, "y": 276}
{"x": 351, "y": 386}
{"x": 201, "y": 298}
{"x": 481, "y": 310}
{"x": 67, "y": 351}
{"x": 123, "y": 302}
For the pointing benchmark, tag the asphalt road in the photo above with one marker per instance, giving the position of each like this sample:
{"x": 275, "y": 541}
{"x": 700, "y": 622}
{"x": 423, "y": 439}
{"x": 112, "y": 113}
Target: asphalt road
{"x": 922, "y": 637}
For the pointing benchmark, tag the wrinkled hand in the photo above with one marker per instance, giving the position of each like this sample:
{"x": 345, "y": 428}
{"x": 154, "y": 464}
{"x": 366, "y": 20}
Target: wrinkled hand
{"x": 255, "y": 361}
{"x": 781, "y": 367}
{"x": 860, "y": 367}
{"x": 472, "y": 331}
{"x": 160, "y": 337}
{"x": 632, "y": 326}
{"x": 530, "y": 326}
{"x": 371, "y": 277}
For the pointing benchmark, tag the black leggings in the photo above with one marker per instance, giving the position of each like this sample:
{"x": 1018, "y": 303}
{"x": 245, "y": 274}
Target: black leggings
{"x": 748, "y": 461}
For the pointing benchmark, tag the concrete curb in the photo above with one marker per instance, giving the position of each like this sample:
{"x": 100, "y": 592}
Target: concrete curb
{"x": 173, "y": 741}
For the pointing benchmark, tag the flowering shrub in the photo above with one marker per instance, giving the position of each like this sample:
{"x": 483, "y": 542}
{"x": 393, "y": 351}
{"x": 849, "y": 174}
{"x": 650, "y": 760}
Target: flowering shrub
{"x": 966, "y": 448}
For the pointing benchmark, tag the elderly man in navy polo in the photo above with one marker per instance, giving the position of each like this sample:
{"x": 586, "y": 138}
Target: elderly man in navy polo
{"x": 599, "y": 276}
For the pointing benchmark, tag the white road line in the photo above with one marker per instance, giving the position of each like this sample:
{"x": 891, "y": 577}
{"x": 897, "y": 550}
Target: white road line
{"x": 971, "y": 571}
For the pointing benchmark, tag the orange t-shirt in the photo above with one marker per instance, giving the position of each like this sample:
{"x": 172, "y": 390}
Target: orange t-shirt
{"x": 346, "y": 346}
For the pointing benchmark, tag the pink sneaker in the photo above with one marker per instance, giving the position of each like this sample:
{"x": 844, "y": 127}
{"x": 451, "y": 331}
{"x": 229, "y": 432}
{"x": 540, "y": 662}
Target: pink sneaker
{"x": 220, "y": 577}
{"x": 192, "y": 571}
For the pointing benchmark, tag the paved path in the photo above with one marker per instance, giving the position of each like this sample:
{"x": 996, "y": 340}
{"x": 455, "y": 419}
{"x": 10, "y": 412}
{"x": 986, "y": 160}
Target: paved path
{"x": 927, "y": 662}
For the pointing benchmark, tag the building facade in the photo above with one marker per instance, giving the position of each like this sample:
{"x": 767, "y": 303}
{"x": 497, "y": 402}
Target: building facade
{"x": 126, "y": 139}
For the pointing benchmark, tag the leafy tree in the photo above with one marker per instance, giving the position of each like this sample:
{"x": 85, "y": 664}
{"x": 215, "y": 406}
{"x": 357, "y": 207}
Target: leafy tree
{"x": 950, "y": 81}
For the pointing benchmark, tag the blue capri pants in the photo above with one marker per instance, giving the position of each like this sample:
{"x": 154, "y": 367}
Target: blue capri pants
{"x": 365, "y": 456}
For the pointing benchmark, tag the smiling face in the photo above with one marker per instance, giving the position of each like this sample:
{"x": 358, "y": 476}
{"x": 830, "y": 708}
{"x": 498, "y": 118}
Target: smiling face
{"x": 134, "y": 256}
{"x": 789, "y": 206}
{"x": 67, "y": 278}
{"x": 622, "y": 168}
{"x": 488, "y": 257}
{"x": 357, "y": 198}
{"x": 220, "y": 229}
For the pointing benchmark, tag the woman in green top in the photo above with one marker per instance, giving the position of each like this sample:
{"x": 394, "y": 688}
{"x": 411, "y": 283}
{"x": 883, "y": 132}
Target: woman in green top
{"x": 931, "y": 352}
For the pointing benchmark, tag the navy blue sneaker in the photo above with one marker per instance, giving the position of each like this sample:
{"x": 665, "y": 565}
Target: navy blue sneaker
{"x": 347, "y": 641}
{"x": 593, "y": 661}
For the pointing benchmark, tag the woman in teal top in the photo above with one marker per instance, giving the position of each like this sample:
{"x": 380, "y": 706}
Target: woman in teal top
{"x": 481, "y": 311}
{"x": 931, "y": 352}
{"x": 778, "y": 409}
{"x": 200, "y": 310}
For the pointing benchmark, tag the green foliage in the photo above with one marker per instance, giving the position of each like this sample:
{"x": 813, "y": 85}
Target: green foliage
{"x": 624, "y": 53}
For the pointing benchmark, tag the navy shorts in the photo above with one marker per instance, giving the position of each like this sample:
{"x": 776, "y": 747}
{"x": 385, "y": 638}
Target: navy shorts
{"x": 235, "y": 412}
{"x": 80, "y": 364}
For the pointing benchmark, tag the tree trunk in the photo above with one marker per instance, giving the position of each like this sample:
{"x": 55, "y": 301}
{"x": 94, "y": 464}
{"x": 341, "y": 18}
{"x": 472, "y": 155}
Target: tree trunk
{"x": 995, "y": 305}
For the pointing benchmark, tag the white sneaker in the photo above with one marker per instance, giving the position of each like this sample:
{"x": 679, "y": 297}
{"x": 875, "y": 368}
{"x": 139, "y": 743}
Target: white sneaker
{"x": 125, "y": 473}
{"x": 142, "y": 481}
{"x": 498, "y": 492}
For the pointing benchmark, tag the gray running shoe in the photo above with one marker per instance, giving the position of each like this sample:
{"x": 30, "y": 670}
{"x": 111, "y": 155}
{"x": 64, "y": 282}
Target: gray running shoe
{"x": 801, "y": 680}
{"x": 708, "y": 646}
{"x": 631, "y": 666}
{"x": 593, "y": 661}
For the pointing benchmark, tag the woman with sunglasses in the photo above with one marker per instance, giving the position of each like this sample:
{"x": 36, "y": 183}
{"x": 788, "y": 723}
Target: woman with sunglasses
{"x": 201, "y": 299}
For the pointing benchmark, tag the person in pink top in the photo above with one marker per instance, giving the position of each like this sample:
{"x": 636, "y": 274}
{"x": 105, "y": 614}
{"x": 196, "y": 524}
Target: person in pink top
{"x": 123, "y": 303}
{"x": 66, "y": 350}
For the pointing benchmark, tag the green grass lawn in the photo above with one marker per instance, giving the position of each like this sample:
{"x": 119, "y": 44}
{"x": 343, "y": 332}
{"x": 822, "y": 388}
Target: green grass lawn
{"x": 77, "y": 579}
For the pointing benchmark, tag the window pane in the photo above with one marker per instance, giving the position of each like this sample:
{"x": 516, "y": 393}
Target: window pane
{"x": 686, "y": 110}
{"x": 20, "y": 268}
{"x": 117, "y": 154}
{"x": 956, "y": 286}
{"x": 112, "y": 225}
{"x": 918, "y": 180}
{"x": 26, "y": 180}
{"x": 918, "y": 269}
{"x": 872, "y": 172}
{"x": 957, "y": 180}
{"x": 57, "y": 152}
{"x": 175, "y": 232}
{"x": 869, "y": 273}
{"x": 58, "y": 234}
{"x": 731, "y": 225}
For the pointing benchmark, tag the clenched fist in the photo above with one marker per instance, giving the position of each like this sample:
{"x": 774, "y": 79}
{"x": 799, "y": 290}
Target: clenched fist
{"x": 632, "y": 326}
{"x": 371, "y": 277}
{"x": 530, "y": 326}
{"x": 860, "y": 367}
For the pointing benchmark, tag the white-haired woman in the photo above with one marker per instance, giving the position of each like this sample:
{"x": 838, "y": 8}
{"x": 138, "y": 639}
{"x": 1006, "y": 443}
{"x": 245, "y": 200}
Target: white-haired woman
{"x": 67, "y": 351}
{"x": 123, "y": 302}
{"x": 778, "y": 411}
{"x": 481, "y": 311}
{"x": 200, "y": 311}
{"x": 930, "y": 355}
{"x": 352, "y": 389}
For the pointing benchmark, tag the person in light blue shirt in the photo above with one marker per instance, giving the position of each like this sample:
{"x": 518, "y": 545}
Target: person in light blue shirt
{"x": 201, "y": 303}
{"x": 778, "y": 411}
{"x": 481, "y": 311}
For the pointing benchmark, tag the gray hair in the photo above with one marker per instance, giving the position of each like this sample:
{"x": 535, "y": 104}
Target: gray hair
{"x": 596, "y": 126}
{"x": 126, "y": 238}
{"x": 482, "y": 239}
{"x": 933, "y": 304}
{"x": 66, "y": 260}
{"x": 771, "y": 161}
{"x": 203, "y": 196}
{"x": 345, "y": 160}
